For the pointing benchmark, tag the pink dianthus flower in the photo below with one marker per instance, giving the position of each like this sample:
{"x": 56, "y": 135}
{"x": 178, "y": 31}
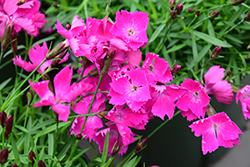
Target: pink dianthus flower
{"x": 64, "y": 92}
{"x": 214, "y": 84}
{"x": 244, "y": 96}
{"x": 131, "y": 27}
{"x": 157, "y": 69}
{"x": 194, "y": 101}
{"x": 131, "y": 89}
{"x": 217, "y": 130}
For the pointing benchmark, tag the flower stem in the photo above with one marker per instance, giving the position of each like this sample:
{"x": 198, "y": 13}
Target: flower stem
{"x": 10, "y": 97}
{"x": 85, "y": 120}
{"x": 234, "y": 26}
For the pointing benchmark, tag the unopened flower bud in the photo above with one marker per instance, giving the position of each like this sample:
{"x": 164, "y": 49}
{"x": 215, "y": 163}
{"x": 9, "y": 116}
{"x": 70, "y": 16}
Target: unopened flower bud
{"x": 173, "y": 14}
{"x": 247, "y": 17}
{"x": 107, "y": 62}
{"x": 102, "y": 114}
{"x": 115, "y": 150}
{"x": 179, "y": 8}
{"x": 4, "y": 156}
{"x": 56, "y": 5}
{"x": 8, "y": 125}
{"x": 41, "y": 164}
{"x": 79, "y": 136}
{"x": 214, "y": 14}
{"x": 59, "y": 57}
{"x": 216, "y": 52}
{"x": 61, "y": 47}
{"x": 176, "y": 68}
{"x": 229, "y": 73}
{"x": 68, "y": 26}
{"x": 191, "y": 10}
{"x": 171, "y": 7}
{"x": 3, "y": 118}
{"x": 32, "y": 157}
{"x": 141, "y": 144}
{"x": 210, "y": 110}
{"x": 29, "y": 97}
{"x": 7, "y": 36}
{"x": 171, "y": 2}
{"x": 14, "y": 42}
{"x": 198, "y": 13}
{"x": 237, "y": 2}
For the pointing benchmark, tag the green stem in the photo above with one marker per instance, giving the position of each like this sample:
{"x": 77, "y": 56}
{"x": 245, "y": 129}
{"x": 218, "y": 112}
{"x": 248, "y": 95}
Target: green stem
{"x": 192, "y": 21}
{"x": 26, "y": 117}
{"x": 84, "y": 115}
{"x": 85, "y": 120}
{"x": 1, "y": 56}
{"x": 199, "y": 22}
{"x": 9, "y": 98}
{"x": 152, "y": 133}
{"x": 90, "y": 106}
{"x": 234, "y": 26}
{"x": 107, "y": 8}
{"x": 203, "y": 66}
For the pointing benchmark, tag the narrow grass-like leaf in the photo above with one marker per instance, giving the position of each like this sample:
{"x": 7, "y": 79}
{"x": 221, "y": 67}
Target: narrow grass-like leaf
{"x": 52, "y": 128}
{"x": 211, "y": 39}
{"x": 4, "y": 83}
{"x": 77, "y": 156}
{"x": 137, "y": 5}
{"x": 50, "y": 144}
{"x": 195, "y": 52}
{"x": 15, "y": 150}
{"x": 65, "y": 148}
{"x": 202, "y": 53}
{"x": 105, "y": 148}
{"x": 109, "y": 161}
{"x": 175, "y": 48}
{"x": 210, "y": 29}
{"x": 157, "y": 32}
{"x": 234, "y": 39}
{"x": 133, "y": 162}
{"x": 21, "y": 128}
{"x": 19, "y": 47}
{"x": 41, "y": 154}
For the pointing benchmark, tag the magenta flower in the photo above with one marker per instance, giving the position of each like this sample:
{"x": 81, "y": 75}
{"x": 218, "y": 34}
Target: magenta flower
{"x": 244, "y": 96}
{"x": 163, "y": 100}
{"x": 156, "y": 69}
{"x": 131, "y": 28}
{"x": 36, "y": 56}
{"x": 114, "y": 139}
{"x": 64, "y": 93}
{"x": 22, "y": 16}
{"x": 217, "y": 130}
{"x": 194, "y": 101}
{"x": 131, "y": 89}
{"x": 93, "y": 123}
{"x": 77, "y": 26}
{"x": 214, "y": 84}
{"x": 125, "y": 118}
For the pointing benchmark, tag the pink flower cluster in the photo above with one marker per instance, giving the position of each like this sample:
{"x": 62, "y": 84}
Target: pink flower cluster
{"x": 137, "y": 94}
{"x": 19, "y": 15}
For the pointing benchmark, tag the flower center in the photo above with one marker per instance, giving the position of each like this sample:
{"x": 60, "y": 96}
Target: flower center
{"x": 134, "y": 88}
{"x": 131, "y": 32}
